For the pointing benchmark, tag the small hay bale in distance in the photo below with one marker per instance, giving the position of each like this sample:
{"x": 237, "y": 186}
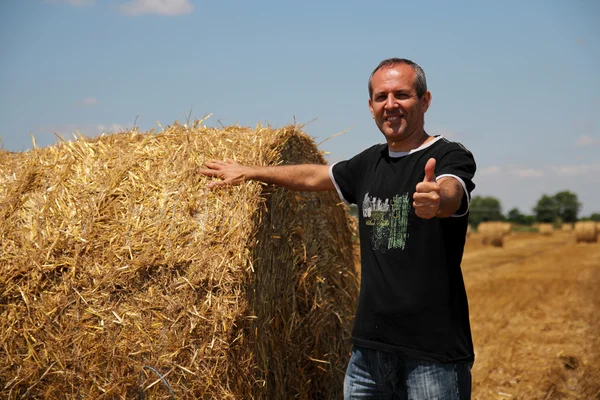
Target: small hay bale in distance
{"x": 586, "y": 231}
{"x": 492, "y": 233}
{"x": 566, "y": 227}
{"x": 116, "y": 262}
{"x": 545, "y": 229}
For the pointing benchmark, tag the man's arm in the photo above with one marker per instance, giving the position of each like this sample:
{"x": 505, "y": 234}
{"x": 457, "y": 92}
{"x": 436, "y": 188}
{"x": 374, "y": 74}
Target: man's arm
{"x": 437, "y": 198}
{"x": 304, "y": 177}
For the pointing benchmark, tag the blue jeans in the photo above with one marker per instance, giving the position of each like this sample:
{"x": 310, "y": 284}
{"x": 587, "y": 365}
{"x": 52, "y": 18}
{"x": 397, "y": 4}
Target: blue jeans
{"x": 373, "y": 374}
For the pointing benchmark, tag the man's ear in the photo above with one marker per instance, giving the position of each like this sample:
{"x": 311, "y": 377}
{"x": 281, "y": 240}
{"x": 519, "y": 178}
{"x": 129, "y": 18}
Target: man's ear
{"x": 426, "y": 101}
{"x": 371, "y": 109}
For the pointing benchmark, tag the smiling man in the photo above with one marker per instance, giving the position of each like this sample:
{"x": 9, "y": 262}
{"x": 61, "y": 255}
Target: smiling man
{"x": 411, "y": 336}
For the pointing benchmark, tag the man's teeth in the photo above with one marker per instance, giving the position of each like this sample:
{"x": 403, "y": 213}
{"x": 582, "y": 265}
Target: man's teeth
{"x": 393, "y": 118}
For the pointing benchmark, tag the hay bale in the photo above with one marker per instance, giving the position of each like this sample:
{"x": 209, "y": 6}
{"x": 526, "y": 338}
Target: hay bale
{"x": 566, "y": 227}
{"x": 545, "y": 229}
{"x": 492, "y": 233}
{"x": 507, "y": 227}
{"x": 117, "y": 264}
{"x": 586, "y": 231}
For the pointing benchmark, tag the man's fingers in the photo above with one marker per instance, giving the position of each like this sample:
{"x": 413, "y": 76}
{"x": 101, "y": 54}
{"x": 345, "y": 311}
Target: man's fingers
{"x": 228, "y": 170}
{"x": 215, "y": 163}
{"x": 209, "y": 172}
{"x": 426, "y": 187}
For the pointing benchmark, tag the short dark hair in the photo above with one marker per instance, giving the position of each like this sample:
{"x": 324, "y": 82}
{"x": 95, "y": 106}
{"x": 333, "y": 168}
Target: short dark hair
{"x": 420, "y": 82}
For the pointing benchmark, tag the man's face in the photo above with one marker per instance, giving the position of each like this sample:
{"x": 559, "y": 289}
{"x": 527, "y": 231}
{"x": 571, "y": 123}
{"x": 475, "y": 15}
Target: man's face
{"x": 395, "y": 106}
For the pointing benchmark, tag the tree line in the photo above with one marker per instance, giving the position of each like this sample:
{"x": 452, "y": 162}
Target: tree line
{"x": 563, "y": 207}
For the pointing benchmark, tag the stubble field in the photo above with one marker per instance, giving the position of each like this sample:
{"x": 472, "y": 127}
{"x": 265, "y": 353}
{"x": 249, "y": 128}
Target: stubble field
{"x": 535, "y": 317}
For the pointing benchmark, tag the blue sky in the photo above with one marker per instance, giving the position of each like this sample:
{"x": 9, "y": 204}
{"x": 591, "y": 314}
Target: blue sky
{"x": 516, "y": 82}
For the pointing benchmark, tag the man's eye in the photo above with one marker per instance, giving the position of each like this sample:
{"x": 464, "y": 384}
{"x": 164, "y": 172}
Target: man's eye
{"x": 401, "y": 95}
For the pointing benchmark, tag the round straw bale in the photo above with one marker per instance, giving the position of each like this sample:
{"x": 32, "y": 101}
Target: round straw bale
{"x": 545, "y": 228}
{"x": 117, "y": 263}
{"x": 566, "y": 227}
{"x": 586, "y": 231}
{"x": 492, "y": 233}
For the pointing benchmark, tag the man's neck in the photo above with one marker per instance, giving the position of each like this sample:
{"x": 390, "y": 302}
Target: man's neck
{"x": 410, "y": 144}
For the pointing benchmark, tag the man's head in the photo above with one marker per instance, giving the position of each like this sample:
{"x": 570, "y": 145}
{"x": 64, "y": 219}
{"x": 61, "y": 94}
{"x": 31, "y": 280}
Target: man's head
{"x": 398, "y": 100}
{"x": 420, "y": 82}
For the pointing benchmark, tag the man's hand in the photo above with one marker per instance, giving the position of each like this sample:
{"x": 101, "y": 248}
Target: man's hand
{"x": 427, "y": 195}
{"x": 230, "y": 172}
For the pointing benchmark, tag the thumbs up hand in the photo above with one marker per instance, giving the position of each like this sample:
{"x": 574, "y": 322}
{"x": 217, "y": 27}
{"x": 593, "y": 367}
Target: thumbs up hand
{"x": 427, "y": 195}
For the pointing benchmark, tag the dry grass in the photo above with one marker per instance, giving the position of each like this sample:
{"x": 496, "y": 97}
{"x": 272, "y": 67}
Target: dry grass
{"x": 534, "y": 314}
{"x": 117, "y": 264}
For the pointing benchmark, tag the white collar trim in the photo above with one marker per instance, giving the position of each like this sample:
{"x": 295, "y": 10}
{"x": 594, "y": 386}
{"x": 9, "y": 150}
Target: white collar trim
{"x": 398, "y": 154}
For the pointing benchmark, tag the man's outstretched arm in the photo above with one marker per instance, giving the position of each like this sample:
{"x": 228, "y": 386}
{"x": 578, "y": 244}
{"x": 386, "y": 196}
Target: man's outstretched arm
{"x": 305, "y": 177}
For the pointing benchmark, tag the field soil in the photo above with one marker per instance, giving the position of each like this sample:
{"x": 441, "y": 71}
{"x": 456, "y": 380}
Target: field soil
{"x": 535, "y": 317}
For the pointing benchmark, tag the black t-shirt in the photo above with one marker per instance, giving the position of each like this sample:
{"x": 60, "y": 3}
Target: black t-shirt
{"x": 412, "y": 296}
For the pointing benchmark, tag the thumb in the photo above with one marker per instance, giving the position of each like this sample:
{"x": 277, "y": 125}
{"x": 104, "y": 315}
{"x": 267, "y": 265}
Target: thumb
{"x": 430, "y": 170}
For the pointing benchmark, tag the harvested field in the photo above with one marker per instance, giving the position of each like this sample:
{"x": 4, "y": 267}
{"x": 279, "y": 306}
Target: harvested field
{"x": 534, "y": 314}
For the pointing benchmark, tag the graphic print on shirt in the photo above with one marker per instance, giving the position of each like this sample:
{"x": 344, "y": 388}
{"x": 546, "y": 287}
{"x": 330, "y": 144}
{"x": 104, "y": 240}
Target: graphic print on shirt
{"x": 389, "y": 221}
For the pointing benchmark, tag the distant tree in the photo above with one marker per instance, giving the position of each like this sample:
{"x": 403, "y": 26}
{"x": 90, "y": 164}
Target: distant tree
{"x": 546, "y": 209}
{"x": 567, "y": 206}
{"x": 515, "y": 216}
{"x": 562, "y": 207}
{"x": 529, "y": 220}
{"x": 484, "y": 209}
{"x": 595, "y": 217}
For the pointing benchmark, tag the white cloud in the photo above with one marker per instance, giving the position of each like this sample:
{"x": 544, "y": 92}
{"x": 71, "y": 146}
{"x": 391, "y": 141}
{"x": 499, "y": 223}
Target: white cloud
{"x": 577, "y": 170}
{"x": 110, "y": 128}
{"x": 74, "y": 3}
{"x": 493, "y": 170}
{"x": 159, "y": 7}
{"x": 586, "y": 141}
{"x": 589, "y": 170}
{"x": 90, "y": 101}
{"x": 528, "y": 173}
{"x": 522, "y": 185}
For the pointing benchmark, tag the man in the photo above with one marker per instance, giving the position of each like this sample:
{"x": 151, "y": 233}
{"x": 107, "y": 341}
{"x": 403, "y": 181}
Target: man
{"x": 411, "y": 336}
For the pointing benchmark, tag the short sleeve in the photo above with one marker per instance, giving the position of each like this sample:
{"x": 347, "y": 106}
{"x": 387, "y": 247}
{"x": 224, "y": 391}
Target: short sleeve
{"x": 343, "y": 175}
{"x": 458, "y": 162}
{"x": 347, "y": 175}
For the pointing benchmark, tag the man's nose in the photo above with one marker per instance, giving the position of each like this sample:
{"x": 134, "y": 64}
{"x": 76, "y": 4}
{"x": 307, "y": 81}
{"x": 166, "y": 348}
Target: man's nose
{"x": 390, "y": 102}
